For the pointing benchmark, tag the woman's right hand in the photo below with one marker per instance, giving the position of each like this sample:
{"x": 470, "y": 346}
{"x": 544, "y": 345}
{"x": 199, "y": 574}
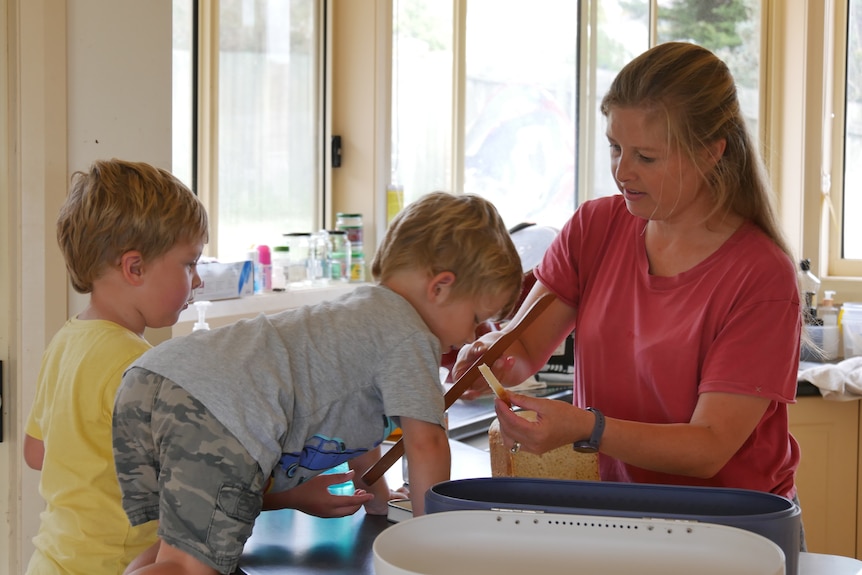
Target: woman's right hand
{"x": 468, "y": 355}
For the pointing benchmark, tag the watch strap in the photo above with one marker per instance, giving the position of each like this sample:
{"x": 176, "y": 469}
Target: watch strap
{"x": 591, "y": 445}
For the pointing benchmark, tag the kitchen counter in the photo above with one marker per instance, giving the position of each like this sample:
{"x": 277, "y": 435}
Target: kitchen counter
{"x": 288, "y": 542}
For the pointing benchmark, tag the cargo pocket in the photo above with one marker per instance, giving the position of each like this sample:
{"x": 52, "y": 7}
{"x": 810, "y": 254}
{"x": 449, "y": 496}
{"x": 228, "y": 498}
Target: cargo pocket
{"x": 233, "y": 518}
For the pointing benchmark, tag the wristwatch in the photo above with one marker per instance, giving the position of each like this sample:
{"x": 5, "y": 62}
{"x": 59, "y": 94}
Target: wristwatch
{"x": 591, "y": 445}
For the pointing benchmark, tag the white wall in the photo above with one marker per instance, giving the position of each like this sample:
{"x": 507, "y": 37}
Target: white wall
{"x": 86, "y": 79}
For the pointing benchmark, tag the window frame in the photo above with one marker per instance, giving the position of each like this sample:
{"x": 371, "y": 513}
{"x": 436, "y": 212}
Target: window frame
{"x": 206, "y": 115}
{"x": 807, "y": 46}
{"x": 835, "y": 77}
{"x": 789, "y": 131}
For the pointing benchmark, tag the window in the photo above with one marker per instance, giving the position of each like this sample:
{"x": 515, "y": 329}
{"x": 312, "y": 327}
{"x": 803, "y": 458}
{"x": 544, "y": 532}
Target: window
{"x": 501, "y": 98}
{"x": 247, "y": 116}
{"x": 846, "y": 192}
{"x": 516, "y": 103}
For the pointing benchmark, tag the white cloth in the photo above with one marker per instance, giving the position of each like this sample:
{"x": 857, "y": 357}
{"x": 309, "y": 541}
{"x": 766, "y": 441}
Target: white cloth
{"x": 837, "y": 381}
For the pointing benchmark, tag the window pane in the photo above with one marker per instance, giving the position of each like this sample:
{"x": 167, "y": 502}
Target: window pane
{"x": 183, "y": 94}
{"x": 520, "y": 103}
{"x": 422, "y": 96}
{"x": 622, "y": 33}
{"x": 268, "y": 158}
{"x": 730, "y": 29}
{"x": 852, "y": 208}
{"x": 521, "y": 91}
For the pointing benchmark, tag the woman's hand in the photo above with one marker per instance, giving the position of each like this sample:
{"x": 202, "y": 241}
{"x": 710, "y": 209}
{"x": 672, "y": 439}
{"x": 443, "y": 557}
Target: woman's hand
{"x": 468, "y": 355}
{"x": 557, "y": 423}
{"x": 721, "y": 423}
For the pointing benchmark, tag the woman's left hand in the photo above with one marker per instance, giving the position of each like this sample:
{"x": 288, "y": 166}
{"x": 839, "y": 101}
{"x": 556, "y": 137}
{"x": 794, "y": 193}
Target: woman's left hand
{"x": 557, "y": 423}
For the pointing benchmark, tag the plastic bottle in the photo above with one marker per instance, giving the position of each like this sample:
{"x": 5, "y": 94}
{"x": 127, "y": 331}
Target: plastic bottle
{"x": 809, "y": 285}
{"x": 280, "y": 263}
{"x": 394, "y": 198}
{"x": 265, "y": 259}
{"x": 257, "y": 272}
{"x": 826, "y": 311}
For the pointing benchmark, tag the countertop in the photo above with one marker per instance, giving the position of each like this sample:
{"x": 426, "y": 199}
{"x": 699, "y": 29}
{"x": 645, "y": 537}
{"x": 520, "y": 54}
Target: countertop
{"x": 288, "y": 542}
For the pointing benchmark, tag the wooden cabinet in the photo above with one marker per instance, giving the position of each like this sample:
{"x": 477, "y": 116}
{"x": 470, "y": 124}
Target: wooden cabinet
{"x": 830, "y": 438}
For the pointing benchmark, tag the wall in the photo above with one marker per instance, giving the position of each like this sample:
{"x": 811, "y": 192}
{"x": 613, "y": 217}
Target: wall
{"x": 360, "y": 100}
{"x": 86, "y": 79}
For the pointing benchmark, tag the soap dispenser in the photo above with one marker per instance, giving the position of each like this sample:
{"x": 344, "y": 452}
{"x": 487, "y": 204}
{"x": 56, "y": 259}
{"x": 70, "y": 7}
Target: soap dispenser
{"x": 201, "y": 324}
{"x": 826, "y": 311}
{"x": 809, "y": 285}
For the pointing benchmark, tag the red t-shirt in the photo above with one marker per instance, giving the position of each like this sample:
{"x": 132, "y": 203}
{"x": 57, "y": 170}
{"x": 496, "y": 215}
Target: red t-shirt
{"x": 647, "y": 346}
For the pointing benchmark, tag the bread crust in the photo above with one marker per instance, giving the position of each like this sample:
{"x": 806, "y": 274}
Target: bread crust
{"x": 560, "y": 463}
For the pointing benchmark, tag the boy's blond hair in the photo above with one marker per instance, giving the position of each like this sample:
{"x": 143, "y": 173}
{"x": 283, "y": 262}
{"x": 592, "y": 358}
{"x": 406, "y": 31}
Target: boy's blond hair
{"x": 118, "y": 206}
{"x": 462, "y": 234}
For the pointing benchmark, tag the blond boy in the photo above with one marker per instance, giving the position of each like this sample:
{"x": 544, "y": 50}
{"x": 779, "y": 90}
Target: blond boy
{"x": 292, "y": 394}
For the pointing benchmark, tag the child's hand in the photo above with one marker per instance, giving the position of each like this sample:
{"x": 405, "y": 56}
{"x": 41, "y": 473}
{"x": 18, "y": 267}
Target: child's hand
{"x": 402, "y": 492}
{"x": 313, "y": 497}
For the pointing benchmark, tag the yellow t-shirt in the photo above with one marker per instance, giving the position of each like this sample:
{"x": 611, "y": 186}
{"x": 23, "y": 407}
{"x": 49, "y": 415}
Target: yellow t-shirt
{"x": 83, "y": 528}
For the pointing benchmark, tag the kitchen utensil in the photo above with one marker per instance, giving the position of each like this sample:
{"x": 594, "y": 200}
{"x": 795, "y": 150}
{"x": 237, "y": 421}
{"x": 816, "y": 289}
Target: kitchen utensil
{"x": 491, "y": 355}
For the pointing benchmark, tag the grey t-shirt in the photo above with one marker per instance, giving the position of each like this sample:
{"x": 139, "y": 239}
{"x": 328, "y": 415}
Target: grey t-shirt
{"x": 306, "y": 389}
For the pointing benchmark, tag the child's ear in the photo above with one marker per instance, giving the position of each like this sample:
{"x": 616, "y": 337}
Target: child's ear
{"x": 440, "y": 285}
{"x": 132, "y": 267}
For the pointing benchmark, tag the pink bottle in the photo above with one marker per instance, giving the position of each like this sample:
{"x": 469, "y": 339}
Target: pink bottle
{"x": 265, "y": 260}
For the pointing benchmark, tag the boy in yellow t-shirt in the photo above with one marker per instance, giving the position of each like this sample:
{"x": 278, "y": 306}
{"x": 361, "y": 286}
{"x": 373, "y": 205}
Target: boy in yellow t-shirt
{"x": 131, "y": 236}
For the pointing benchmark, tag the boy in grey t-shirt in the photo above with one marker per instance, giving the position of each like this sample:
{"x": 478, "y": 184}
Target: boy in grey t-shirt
{"x": 238, "y": 419}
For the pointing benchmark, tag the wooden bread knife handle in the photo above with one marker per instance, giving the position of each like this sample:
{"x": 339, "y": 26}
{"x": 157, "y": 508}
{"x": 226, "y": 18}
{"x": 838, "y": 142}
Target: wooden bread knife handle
{"x": 461, "y": 385}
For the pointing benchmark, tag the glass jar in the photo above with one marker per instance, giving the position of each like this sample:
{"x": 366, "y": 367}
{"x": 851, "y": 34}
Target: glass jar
{"x": 357, "y": 266}
{"x": 298, "y": 244}
{"x": 352, "y": 225}
{"x": 339, "y": 256}
{"x": 319, "y": 258}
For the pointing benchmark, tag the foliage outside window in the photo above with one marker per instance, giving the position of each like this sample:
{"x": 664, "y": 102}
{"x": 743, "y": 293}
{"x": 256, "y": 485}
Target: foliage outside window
{"x": 527, "y": 84}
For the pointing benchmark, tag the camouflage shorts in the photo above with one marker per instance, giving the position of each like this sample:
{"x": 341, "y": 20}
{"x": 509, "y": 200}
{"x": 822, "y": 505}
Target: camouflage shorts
{"x": 177, "y": 463}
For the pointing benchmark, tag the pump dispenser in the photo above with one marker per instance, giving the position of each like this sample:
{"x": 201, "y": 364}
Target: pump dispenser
{"x": 201, "y": 324}
{"x": 809, "y": 285}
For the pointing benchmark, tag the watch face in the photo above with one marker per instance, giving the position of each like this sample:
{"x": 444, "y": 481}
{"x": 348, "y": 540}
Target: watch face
{"x": 584, "y": 447}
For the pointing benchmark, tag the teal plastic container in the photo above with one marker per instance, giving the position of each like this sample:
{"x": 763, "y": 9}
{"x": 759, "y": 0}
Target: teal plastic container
{"x": 345, "y": 488}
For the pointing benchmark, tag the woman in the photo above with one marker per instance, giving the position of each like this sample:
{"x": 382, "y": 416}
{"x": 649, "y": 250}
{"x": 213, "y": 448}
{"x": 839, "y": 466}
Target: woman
{"x": 681, "y": 293}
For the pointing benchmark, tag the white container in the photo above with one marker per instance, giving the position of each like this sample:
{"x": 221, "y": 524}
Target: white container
{"x": 824, "y": 339}
{"x": 280, "y": 263}
{"x": 299, "y": 244}
{"x": 514, "y": 543}
{"x": 851, "y": 329}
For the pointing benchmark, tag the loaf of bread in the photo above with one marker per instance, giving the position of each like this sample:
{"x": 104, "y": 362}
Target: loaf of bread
{"x": 560, "y": 463}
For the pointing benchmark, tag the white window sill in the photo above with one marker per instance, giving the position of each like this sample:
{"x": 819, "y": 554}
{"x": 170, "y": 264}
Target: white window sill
{"x": 223, "y": 312}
